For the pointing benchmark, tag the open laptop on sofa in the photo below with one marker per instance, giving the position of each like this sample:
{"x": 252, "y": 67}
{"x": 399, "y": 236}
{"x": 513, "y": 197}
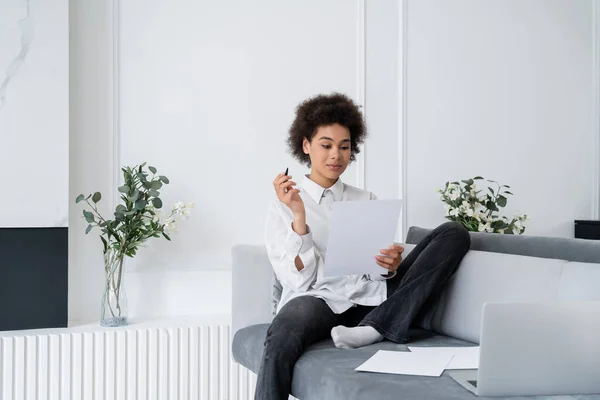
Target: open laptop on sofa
{"x": 537, "y": 349}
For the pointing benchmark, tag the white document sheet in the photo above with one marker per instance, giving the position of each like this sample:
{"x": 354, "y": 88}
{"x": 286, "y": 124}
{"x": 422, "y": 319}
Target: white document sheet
{"x": 464, "y": 357}
{"x": 406, "y": 363}
{"x": 357, "y": 233}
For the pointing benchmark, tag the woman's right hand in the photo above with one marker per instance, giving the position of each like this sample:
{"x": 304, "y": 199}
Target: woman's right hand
{"x": 288, "y": 195}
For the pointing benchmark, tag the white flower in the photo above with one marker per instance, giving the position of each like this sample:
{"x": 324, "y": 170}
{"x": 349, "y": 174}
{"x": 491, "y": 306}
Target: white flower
{"x": 485, "y": 227}
{"x": 170, "y": 227}
{"x": 447, "y": 209}
{"x": 182, "y": 209}
{"x": 517, "y": 224}
{"x": 454, "y": 212}
{"x": 467, "y": 208}
{"x": 523, "y": 217}
{"x": 453, "y": 195}
{"x": 479, "y": 216}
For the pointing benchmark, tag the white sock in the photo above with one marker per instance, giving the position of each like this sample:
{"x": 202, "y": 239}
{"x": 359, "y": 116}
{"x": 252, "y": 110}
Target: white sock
{"x": 351, "y": 338}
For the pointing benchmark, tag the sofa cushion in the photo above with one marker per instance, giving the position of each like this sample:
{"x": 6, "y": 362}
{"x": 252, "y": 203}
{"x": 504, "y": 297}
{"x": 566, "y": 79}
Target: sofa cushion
{"x": 325, "y": 373}
{"x": 580, "y": 282}
{"x": 484, "y": 277}
{"x": 570, "y": 249}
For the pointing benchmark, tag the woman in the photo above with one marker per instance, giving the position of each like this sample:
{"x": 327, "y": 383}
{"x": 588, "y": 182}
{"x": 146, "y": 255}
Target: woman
{"x": 355, "y": 310}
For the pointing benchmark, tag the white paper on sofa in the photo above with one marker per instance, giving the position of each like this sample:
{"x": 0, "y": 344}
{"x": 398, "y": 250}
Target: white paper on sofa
{"x": 407, "y": 363}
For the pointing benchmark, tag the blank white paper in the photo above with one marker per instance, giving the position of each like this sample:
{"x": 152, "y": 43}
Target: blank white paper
{"x": 358, "y": 231}
{"x": 407, "y": 363}
{"x": 464, "y": 357}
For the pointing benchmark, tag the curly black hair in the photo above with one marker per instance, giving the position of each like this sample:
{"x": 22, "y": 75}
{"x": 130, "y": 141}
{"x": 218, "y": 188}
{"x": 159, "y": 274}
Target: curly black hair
{"x": 323, "y": 110}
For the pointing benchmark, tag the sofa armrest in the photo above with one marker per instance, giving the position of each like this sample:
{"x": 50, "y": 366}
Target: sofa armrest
{"x": 251, "y": 286}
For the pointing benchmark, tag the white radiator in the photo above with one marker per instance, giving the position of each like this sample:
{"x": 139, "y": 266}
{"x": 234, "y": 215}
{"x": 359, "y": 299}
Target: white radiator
{"x": 127, "y": 364}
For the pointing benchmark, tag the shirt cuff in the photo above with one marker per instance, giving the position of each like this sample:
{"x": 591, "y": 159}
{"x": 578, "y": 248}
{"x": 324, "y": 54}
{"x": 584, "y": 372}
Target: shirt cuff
{"x": 297, "y": 244}
{"x": 389, "y": 275}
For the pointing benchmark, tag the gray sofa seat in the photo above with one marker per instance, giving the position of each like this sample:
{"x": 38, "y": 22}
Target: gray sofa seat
{"x": 324, "y": 372}
{"x": 494, "y": 274}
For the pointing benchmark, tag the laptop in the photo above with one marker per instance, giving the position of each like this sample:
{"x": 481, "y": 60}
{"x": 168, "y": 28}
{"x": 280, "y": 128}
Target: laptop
{"x": 536, "y": 349}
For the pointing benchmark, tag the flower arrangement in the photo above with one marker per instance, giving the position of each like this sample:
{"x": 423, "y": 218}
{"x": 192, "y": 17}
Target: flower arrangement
{"x": 138, "y": 218}
{"x": 476, "y": 210}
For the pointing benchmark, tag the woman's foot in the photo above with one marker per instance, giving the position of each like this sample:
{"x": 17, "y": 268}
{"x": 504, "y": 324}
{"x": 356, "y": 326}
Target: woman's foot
{"x": 351, "y": 338}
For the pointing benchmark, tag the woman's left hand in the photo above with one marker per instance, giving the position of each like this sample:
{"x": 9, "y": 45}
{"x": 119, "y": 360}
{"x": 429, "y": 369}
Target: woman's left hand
{"x": 390, "y": 258}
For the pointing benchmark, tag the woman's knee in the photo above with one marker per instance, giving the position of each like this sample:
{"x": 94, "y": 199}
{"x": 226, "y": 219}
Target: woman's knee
{"x": 458, "y": 233}
{"x": 291, "y": 324}
{"x": 283, "y": 339}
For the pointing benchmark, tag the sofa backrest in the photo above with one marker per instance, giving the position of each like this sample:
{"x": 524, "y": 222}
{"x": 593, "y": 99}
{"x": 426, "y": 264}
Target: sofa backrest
{"x": 548, "y": 269}
{"x": 535, "y": 246}
{"x": 496, "y": 275}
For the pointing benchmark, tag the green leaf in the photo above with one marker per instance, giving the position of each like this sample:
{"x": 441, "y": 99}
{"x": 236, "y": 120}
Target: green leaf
{"x": 491, "y": 190}
{"x": 79, "y": 198}
{"x": 166, "y": 236}
{"x": 152, "y": 169}
{"x": 121, "y": 208}
{"x": 502, "y": 201}
{"x": 499, "y": 224}
{"x": 105, "y": 243}
{"x": 96, "y": 197}
{"x": 140, "y": 204}
{"x": 155, "y": 185}
{"x": 507, "y": 192}
{"x": 478, "y": 177}
{"x": 124, "y": 189}
{"x": 491, "y": 206}
{"x": 88, "y": 229}
{"x": 157, "y": 202}
{"x": 506, "y": 186}
{"x": 89, "y": 217}
{"x": 164, "y": 179}
{"x": 135, "y": 196}
{"x": 153, "y": 193}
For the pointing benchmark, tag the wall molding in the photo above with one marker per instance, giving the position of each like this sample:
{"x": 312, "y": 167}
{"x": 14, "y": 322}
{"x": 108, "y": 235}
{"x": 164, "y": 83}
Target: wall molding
{"x": 596, "y": 113}
{"x": 402, "y": 116}
{"x": 116, "y": 112}
{"x": 361, "y": 82}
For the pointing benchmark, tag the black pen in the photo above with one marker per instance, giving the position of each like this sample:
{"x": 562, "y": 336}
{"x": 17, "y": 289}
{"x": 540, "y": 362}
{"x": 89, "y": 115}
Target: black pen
{"x": 286, "y": 172}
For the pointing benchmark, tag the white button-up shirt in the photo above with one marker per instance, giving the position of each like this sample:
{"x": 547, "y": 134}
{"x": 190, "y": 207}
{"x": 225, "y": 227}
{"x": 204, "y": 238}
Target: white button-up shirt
{"x": 283, "y": 245}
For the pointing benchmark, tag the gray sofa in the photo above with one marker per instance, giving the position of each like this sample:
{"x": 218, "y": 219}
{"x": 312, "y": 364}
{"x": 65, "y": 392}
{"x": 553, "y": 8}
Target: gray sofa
{"x": 497, "y": 268}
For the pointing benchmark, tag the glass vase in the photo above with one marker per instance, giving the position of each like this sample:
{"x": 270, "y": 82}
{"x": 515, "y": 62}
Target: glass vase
{"x": 114, "y": 299}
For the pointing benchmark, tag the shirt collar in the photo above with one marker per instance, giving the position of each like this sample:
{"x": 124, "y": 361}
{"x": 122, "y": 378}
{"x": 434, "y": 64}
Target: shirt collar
{"x": 315, "y": 190}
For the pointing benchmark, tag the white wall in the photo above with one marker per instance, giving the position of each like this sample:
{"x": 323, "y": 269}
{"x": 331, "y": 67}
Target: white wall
{"x": 470, "y": 79}
{"x": 34, "y": 113}
{"x": 90, "y": 152}
{"x": 502, "y": 89}
{"x": 208, "y": 91}
{"x": 207, "y": 94}
{"x": 382, "y": 156}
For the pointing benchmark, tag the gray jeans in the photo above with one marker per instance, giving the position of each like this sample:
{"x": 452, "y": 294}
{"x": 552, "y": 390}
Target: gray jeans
{"x": 306, "y": 320}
